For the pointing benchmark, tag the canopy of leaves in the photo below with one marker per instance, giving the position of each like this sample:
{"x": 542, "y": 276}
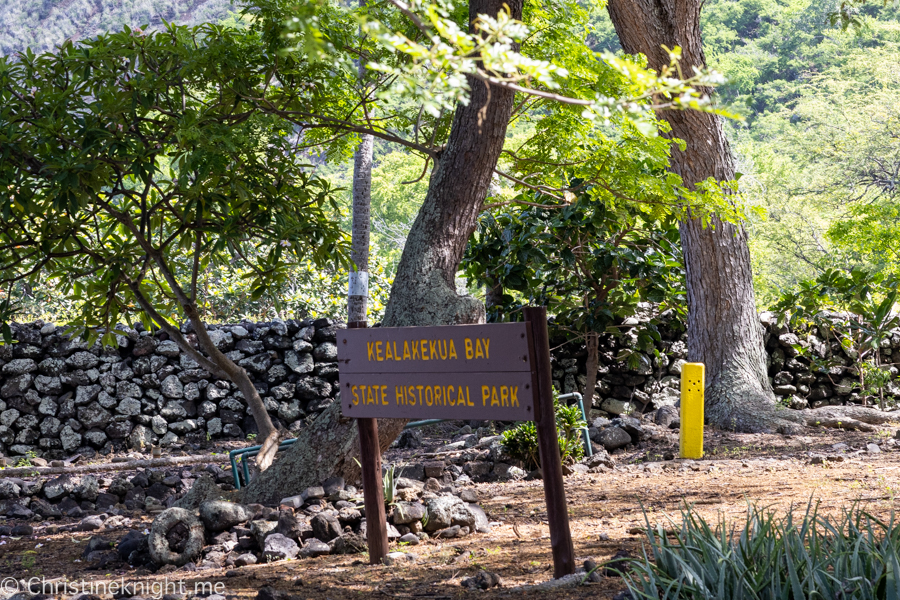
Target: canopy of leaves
{"x": 589, "y": 261}
{"x": 130, "y": 170}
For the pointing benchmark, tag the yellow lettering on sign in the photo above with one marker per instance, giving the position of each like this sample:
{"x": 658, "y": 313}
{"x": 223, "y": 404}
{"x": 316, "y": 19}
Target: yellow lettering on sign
{"x": 415, "y": 353}
{"x": 452, "y": 350}
{"x": 469, "y": 353}
{"x": 424, "y": 347}
{"x": 504, "y": 395}
{"x": 405, "y": 351}
{"x": 388, "y": 355}
{"x": 442, "y": 348}
{"x": 460, "y": 397}
{"x": 448, "y": 397}
{"x": 419, "y": 388}
{"x": 514, "y": 396}
{"x": 495, "y": 401}
{"x": 384, "y": 400}
{"x": 485, "y": 394}
{"x": 378, "y": 355}
{"x": 429, "y": 395}
{"x": 469, "y": 400}
{"x": 355, "y": 396}
{"x": 432, "y": 349}
{"x": 399, "y": 394}
{"x": 438, "y": 395}
{"x": 487, "y": 345}
{"x": 370, "y": 350}
{"x": 396, "y": 355}
{"x": 369, "y": 398}
{"x": 479, "y": 353}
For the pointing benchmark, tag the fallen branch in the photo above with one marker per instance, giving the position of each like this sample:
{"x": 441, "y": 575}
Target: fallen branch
{"x": 115, "y": 466}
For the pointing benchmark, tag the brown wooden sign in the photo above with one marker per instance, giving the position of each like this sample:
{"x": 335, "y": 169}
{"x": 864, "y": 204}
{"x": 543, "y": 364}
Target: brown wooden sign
{"x": 454, "y": 372}
{"x": 496, "y": 372}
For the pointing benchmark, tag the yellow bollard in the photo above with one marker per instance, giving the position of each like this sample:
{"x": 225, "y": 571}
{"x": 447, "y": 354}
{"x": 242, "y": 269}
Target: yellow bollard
{"x": 692, "y": 384}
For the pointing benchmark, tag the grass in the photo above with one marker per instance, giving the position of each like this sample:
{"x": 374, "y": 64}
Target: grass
{"x": 794, "y": 556}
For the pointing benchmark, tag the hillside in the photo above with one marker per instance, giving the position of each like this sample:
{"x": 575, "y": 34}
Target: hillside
{"x": 42, "y": 24}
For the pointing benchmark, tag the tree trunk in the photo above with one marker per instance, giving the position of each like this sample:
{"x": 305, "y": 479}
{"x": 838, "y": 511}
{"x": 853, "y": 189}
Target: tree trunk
{"x": 590, "y": 381}
{"x": 358, "y": 293}
{"x": 724, "y": 331}
{"x": 424, "y": 290}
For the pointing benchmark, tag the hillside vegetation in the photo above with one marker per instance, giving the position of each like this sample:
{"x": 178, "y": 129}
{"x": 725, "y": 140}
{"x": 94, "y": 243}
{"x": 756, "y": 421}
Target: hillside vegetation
{"x": 818, "y": 149}
{"x": 43, "y": 24}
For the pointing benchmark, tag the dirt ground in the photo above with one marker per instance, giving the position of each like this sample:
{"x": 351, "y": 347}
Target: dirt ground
{"x": 606, "y": 511}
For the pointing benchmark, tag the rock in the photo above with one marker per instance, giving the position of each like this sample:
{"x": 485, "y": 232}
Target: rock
{"x": 484, "y": 580}
{"x": 409, "y": 538}
{"x": 616, "y": 407}
{"x": 69, "y": 438}
{"x": 171, "y": 387}
{"x": 332, "y": 485}
{"x": 598, "y": 459}
{"x": 314, "y": 548}
{"x": 14, "y": 510}
{"x": 19, "y": 366}
{"x": 325, "y": 527}
{"x": 90, "y": 523}
{"x": 613, "y": 438}
{"x": 313, "y": 492}
{"x": 407, "y": 512}
{"x": 325, "y": 352}
{"x": 132, "y": 547}
{"x": 632, "y": 426}
{"x": 260, "y": 529}
{"x": 15, "y": 386}
{"x": 395, "y": 557}
{"x": 446, "y": 511}
{"x": 204, "y": 489}
{"x": 88, "y": 488}
{"x": 279, "y": 547}
{"x": 873, "y": 448}
{"x": 666, "y": 415}
{"x": 141, "y": 438}
{"x": 410, "y": 438}
{"x": 219, "y": 515}
{"x": 299, "y": 363}
{"x": 350, "y": 543}
{"x": 176, "y": 537}
{"x": 8, "y": 489}
{"x": 448, "y": 533}
{"x": 58, "y": 487}
{"x": 245, "y": 559}
{"x": 481, "y": 524}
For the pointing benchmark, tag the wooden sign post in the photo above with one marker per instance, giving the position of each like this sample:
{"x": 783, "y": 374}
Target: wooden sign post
{"x": 495, "y": 372}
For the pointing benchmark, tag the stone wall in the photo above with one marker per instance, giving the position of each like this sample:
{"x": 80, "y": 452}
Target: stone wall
{"x": 59, "y": 397}
{"x": 655, "y": 380}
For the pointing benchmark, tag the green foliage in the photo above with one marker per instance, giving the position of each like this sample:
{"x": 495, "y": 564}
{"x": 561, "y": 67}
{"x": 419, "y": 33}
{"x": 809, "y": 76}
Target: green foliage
{"x": 771, "y": 557}
{"x": 590, "y": 261}
{"x": 521, "y": 441}
{"x": 857, "y": 309}
{"x": 147, "y": 170}
{"x": 389, "y": 485}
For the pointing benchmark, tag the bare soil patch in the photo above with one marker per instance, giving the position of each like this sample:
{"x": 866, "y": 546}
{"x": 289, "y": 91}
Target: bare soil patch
{"x": 607, "y": 514}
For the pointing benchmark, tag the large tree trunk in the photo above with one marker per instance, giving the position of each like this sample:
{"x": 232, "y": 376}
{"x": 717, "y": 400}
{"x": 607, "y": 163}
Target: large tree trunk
{"x": 724, "y": 331}
{"x": 424, "y": 290}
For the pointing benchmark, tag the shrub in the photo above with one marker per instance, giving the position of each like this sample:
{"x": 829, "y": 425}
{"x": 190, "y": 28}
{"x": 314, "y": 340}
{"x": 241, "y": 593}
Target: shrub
{"x": 521, "y": 441}
{"x": 853, "y": 555}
